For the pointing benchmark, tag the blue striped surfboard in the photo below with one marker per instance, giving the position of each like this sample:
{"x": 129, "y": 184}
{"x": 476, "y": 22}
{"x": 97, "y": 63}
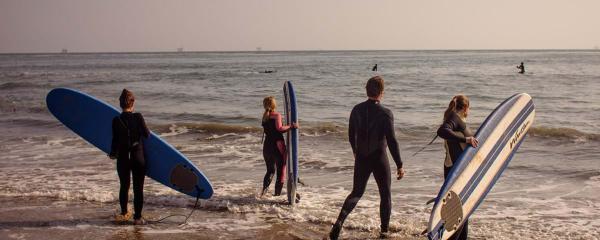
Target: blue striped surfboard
{"x": 477, "y": 169}
{"x": 291, "y": 114}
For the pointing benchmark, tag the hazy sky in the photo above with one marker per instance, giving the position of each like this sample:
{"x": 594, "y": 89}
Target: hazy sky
{"x": 223, "y": 25}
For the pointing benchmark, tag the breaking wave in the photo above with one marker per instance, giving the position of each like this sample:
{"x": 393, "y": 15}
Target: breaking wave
{"x": 563, "y": 133}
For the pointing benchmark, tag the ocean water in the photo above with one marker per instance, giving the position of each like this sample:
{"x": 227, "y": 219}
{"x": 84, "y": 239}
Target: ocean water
{"x": 208, "y": 105}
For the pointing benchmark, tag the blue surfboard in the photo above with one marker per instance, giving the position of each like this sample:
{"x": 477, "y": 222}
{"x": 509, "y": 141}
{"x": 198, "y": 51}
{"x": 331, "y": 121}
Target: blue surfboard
{"x": 476, "y": 171}
{"x": 91, "y": 118}
{"x": 291, "y": 115}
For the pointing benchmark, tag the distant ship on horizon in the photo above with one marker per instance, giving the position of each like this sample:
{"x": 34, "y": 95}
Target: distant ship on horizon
{"x": 64, "y": 51}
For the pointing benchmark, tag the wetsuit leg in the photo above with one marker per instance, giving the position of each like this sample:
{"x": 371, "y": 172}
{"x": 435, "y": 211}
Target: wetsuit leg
{"x": 362, "y": 171}
{"x": 280, "y": 162}
{"x": 446, "y": 171}
{"x": 381, "y": 172}
{"x": 124, "y": 172}
{"x": 464, "y": 231}
{"x": 270, "y": 163}
{"x": 139, "y": 173}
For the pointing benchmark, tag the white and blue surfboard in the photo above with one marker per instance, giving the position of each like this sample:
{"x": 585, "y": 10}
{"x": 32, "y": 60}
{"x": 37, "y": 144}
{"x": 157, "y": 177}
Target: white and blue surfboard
{"x": 291, "y": 115}
{"x": 476, "y": 171}
{"x": 91, "y": 118}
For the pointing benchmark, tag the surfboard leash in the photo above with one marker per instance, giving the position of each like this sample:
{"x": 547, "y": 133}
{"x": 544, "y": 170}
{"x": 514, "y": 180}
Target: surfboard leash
{"x": 181, "y": 215}
{"x": 423, "y": 148}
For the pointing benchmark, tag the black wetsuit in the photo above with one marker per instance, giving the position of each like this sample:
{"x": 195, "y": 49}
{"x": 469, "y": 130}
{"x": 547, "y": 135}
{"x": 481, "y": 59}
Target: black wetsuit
{"x": 128, "y": 130}
{"x": 522, "y": 68}
{"x": 273, "y": 155}
{"x": 455, "y": 131}
{"x": 370, "y": 131}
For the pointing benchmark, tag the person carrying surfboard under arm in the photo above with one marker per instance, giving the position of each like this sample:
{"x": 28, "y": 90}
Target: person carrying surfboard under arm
{"x": 457, "y": 135}
{"x": 370, "y": 132}
{"x": 274, "y": 150}
{"x": 127, "y": 147}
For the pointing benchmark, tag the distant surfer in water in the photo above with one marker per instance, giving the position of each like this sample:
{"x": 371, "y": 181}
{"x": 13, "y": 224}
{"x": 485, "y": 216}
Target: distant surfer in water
{"x": 274, "y": 150}
{"x": 457, "y": 135}
{"x": 374, "y": 68}
{"x": 128, "y": 129}
{"x": 522, "y": 68}
{"x": 370, "y": 132}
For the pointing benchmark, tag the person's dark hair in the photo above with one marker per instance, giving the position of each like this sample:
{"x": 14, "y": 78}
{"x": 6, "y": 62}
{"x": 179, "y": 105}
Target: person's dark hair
{"x": 374, "y": 86}
{"x": 458, "y": 103}
{"x": 126, "y": 99}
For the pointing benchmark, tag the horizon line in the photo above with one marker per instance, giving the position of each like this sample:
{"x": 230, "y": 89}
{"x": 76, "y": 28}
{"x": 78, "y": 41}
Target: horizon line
{"x": 308, "y": 50}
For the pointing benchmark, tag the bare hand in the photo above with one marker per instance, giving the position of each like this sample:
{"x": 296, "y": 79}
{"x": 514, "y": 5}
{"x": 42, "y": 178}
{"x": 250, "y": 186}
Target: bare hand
{"x": 473, "y": 141}
{"x": 400, "y": 173}
{"x": 113, "y": 157}
{"x": 295, "y": 125}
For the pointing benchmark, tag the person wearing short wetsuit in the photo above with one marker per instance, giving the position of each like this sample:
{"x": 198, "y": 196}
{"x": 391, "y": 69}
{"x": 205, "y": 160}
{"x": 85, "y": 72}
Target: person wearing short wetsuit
{"x": 457, "y": 135}
{"x": 274, "y": 151}
{"x": 370, "y": 132}
{"x": 128, "y": 129}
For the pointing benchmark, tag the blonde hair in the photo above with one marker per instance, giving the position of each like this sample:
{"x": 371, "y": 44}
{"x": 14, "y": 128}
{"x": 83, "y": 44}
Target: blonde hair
{"x": 269, "y": 104}
{"x": 458, "y": 103}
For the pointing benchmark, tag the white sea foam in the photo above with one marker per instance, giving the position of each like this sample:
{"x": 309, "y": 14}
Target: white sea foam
{"x": 175, "y": 130}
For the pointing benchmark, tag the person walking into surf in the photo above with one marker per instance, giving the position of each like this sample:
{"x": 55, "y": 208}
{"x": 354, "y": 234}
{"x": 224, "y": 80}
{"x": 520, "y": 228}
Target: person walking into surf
{"x": 457, "y": 135}
{"x": 370, "y": 132}
{"x": 274, "y": 150}
{"x": 128, "y": 129}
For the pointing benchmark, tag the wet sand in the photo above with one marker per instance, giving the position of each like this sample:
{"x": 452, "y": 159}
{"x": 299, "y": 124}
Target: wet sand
{"x": 49, "y": 218}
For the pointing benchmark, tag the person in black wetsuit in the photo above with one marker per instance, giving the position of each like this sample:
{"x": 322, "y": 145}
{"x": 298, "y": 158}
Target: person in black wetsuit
{"x": 457, "y": 135}
{"x": 370, "y": 132}
{"x": 374, "y": 68}
{"x": 128, "y": 129}
{"x": 274, "y": 151}
{"x": 522, "y": 68}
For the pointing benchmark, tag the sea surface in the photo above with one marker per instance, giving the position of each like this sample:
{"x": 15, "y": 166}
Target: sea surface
{"x": 209, "y": 104}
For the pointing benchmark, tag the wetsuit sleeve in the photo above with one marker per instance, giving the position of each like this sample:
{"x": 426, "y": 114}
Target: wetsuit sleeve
{"x": 468, "y": 132}
{"x": 446, "y": 130}
{"x": 113, "y": 145}
{"x": 280, "y": 127}
{"x": 145, "y": 131}
{"x": 390, "y": 136}
{"x": 352, "y": 124}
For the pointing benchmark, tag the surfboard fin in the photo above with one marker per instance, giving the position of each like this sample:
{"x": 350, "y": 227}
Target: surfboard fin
{"x": 430, "y": 201}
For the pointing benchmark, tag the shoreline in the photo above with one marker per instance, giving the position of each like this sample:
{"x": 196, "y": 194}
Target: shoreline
{"x": 51, "y": 218}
